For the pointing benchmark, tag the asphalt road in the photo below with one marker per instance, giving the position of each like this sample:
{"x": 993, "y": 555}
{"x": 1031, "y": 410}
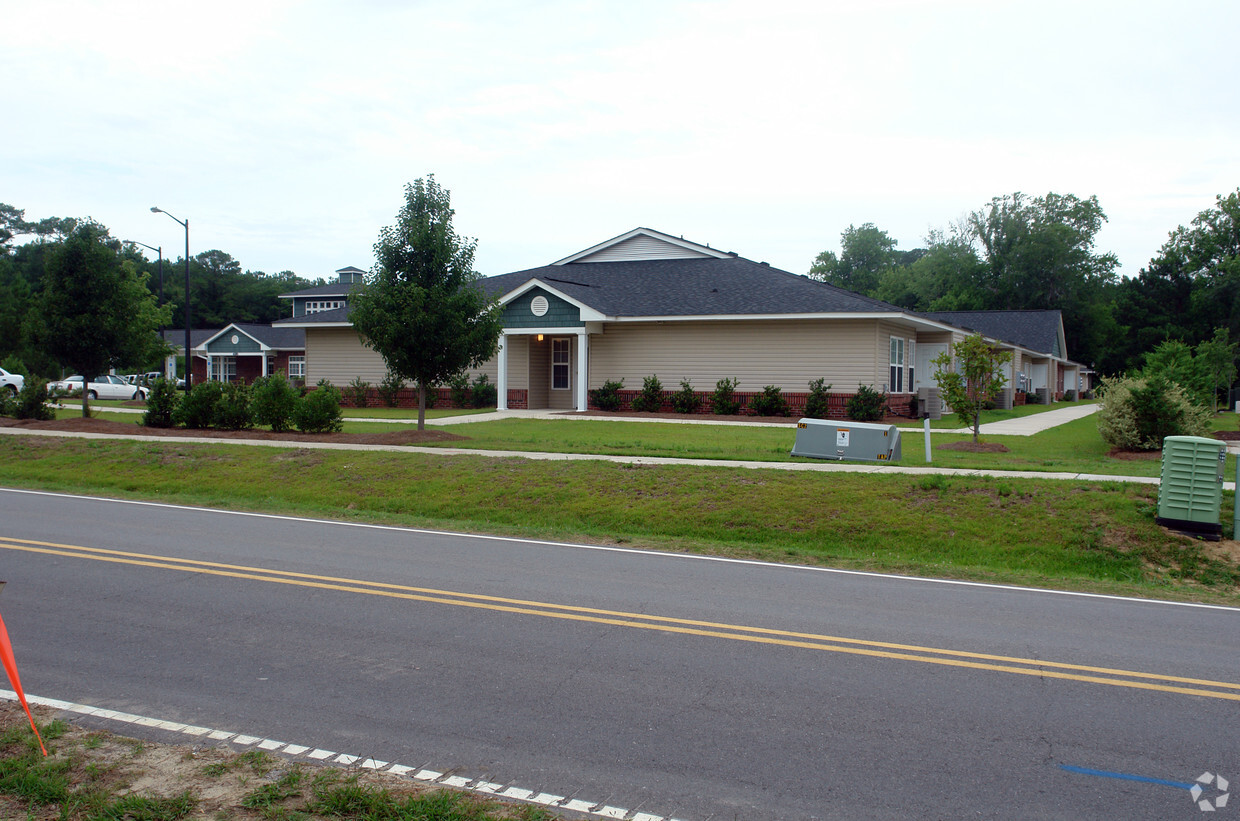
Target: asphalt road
{"x": 669, "y": 685}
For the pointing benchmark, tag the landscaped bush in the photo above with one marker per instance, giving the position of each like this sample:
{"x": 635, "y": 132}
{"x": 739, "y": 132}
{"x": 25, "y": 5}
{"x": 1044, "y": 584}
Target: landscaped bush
{"x": 817, "y": 403}
{"x": 723, "y": 401}
{"x": 686, "y": 399}
{"x": 390, "y": 388}
{"x": 30, "y": 402}
{"x": 272, "y": 402}
{"x": 319, "y": 410}
{"x": 358, "y": 392}
{"x": 650, "y": 398}
{"x": 197, "y": 408}
{"x": 1069, "y": 396}
{"x": 161, "y": 404}
{"x": 8, "y": 403}
{"x": 608, "y": 396}
{"x": 482, "y": 393}
{"x": 1137, "y": 414}
{"x": 866, "y": 405}
{"x": 458, "y": 386}
{"x": 770, "y": 402}
{"x": 232, "y": 409}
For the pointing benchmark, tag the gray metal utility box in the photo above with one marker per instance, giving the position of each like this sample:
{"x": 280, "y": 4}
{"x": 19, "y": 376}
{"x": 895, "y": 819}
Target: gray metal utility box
{"x": 852, "y": 441}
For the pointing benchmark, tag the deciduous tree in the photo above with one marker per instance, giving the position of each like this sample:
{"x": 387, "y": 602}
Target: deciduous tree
{"x": 95, "y": 311}
{"x": 422, "y": 308}
{"x": 969, "y": 376}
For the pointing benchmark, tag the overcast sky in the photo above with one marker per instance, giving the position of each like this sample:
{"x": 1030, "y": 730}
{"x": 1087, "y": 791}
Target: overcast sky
{"x": 285, "y": 132}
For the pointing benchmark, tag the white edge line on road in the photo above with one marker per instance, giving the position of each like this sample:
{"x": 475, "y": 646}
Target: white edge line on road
{"x": 481, "y": 786}
{"x": 633, "y": 550}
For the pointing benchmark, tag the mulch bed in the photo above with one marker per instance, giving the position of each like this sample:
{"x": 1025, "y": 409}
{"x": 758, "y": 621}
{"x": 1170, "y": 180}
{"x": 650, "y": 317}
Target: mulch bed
{"x": 400, "y": 435}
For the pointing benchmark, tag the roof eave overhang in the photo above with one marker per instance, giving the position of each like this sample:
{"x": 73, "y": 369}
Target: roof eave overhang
{"x": 705, "y": 250}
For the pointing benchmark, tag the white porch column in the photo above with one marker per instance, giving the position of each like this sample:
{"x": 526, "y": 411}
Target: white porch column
{"x": 583, "y": 358}
{"x": 501, "y": 376}
{"x": 263, "y": 354}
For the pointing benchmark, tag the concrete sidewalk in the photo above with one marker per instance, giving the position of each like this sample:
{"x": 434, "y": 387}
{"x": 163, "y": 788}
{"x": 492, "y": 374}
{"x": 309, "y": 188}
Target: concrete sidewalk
{"x": 1022, "y": 426}
{"x": 818, "y": 467}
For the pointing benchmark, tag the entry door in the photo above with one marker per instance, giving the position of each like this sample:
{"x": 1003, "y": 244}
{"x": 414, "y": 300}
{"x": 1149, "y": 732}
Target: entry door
{"x": 562, "y": 372}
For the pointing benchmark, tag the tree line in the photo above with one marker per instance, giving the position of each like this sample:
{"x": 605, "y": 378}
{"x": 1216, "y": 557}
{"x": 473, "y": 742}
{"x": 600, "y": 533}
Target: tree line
{"x": 221, "y": 290}
{"x": 1019, "y": 252}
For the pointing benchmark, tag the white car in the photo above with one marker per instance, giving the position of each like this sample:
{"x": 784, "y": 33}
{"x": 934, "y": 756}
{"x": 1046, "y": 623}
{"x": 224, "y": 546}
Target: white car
{"x": 108, "y": 386}
{"x": 11, "y": 382}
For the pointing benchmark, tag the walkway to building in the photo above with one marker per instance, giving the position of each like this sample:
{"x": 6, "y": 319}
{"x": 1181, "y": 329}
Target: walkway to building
{"x": 1043, "y": 421}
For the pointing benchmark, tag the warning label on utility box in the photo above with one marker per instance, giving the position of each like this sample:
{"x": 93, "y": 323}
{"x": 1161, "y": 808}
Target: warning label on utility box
{"x": 841, "y": 437}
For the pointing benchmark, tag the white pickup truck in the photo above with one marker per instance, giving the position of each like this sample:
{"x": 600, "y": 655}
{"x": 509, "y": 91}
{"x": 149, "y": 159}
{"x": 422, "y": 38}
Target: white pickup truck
{"x": 11, "y": 382}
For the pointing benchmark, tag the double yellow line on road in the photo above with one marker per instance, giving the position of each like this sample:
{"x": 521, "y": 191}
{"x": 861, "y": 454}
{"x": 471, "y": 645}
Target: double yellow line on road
{"x": 734, "y": 632}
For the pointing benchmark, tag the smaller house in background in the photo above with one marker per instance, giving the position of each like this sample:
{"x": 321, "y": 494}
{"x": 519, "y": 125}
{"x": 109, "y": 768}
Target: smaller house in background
{"x": 242, "y": 352}
{"x": 1040, "y": 365}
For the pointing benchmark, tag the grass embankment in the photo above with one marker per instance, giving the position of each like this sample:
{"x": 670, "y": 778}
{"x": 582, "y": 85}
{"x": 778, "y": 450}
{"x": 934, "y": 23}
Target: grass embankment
{"x": 1062, "y": 534}
{"x": 96, "y": 776}
{"x": 1071, "y": 448}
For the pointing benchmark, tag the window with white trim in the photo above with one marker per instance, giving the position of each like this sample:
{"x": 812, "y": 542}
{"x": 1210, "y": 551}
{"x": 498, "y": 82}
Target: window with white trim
{"x": 560, "y": 360}
{"x": 296, "y": 367}
{"x": 896, "y": 385}
{"x": 322, "y": 305}
{"x": 223, "y": 368}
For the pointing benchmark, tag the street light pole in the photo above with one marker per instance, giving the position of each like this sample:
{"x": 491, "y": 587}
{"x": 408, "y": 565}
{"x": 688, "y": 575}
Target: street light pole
{"x": 160, "y": 251}
{"x": 189, "y": 368}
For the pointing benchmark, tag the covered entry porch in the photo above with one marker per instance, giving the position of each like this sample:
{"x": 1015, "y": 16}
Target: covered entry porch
{"x": 550, "y": 365}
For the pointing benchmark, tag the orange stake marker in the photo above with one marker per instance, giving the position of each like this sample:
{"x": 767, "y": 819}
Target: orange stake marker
{"x": 10, "y": 667}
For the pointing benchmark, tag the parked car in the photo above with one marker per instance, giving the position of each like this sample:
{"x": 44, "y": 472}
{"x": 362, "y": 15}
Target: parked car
{"x": 108, "y": 386}
{"x": 12, "y": 382}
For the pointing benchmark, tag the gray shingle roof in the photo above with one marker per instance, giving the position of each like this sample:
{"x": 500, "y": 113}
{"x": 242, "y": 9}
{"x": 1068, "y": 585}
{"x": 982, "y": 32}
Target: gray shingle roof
{"x": 1035, "y": 330}
{"x": 285, "y": 339}
{"x": 690, "y": 287}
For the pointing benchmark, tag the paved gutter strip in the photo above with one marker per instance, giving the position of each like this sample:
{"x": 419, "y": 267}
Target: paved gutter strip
{"x": 480, "y": 786}
{"x": 828, "y": 467}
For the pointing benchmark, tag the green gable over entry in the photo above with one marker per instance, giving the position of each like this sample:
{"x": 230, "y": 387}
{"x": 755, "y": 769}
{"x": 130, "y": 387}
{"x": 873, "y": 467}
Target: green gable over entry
{"x": 224, "y": 345}
{"x": 538, "y": 308}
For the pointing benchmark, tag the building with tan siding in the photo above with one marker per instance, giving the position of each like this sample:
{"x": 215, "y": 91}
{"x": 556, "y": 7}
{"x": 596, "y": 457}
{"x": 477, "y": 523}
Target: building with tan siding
{"x": 647, "y": 303}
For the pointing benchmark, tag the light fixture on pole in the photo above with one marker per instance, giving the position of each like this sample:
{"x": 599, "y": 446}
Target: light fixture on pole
{"x": 189, "y": 370}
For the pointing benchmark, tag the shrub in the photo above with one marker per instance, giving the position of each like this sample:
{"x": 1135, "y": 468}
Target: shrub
{"x": 650, "y": 398}
{"x": 1137, "y": 414}
{"x": 723, "y": 401}
{"x": 770, "y": 402}
{"x": 161, "y": 404}
{"x": 484, "y": 394}
{"x": 31, "y": 401}
{"x": 272, "y": 401}
{"x": 232, "y": 409}
{"x": 358, "y": 392}
{"x": 319, "y": 410}
{"x": 818, "y": 403}
{"x": 608, "y": 396}
{"x": 8, "y": 402}
{"x": 686, "y": 399}
{"x": 459, "y": 388}
{"x": 866, "y": 405}
{"x": 390, "y": 388}
{"x": 1069, "y": 395}
{"x": 197, "y": 408}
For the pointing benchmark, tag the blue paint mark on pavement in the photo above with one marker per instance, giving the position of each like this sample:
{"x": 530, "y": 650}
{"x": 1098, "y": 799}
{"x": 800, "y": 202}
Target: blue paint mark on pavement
{"x": 1125, "y": 776}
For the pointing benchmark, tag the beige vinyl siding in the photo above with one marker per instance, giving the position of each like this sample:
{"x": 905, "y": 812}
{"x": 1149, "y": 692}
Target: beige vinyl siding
{"x": 641, "y": 247}
{"x": 787, "y": 354}
{"x": 337, "y": 355}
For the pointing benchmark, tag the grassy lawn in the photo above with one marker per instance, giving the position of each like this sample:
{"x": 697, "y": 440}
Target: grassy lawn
{"x": 1062, "y": 534}
{"x": 1074, "y": 447}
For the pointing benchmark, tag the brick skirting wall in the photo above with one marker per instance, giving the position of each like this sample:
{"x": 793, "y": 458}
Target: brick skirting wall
{"x": 897, "y": 404}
